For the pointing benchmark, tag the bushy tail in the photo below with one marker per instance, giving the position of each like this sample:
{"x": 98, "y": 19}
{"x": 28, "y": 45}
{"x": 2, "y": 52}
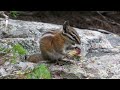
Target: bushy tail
{"x": 35, "y": 58}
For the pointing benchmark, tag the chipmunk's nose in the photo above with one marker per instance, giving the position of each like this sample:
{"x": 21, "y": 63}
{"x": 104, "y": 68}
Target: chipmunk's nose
{"x": 78, "y": 50}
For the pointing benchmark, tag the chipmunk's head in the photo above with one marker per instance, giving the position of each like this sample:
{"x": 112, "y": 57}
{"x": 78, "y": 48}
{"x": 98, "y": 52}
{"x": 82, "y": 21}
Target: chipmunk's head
{"x": 70, "y": 33}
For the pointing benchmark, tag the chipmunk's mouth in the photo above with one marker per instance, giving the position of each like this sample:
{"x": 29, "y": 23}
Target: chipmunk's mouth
{"x": 74, "y": 47}
{"x": 78, "y": 50}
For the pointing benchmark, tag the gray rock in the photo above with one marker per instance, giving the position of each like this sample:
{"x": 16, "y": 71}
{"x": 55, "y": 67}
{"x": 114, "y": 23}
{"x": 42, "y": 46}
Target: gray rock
{"x": 2, "y": 72}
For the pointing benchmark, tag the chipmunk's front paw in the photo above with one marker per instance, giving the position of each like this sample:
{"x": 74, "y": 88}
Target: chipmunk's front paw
{"x": 67, "y": 56}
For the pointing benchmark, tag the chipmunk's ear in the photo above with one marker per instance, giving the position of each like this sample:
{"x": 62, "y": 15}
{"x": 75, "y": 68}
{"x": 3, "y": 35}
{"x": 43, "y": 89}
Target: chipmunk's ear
{"x": 65, "y": 26}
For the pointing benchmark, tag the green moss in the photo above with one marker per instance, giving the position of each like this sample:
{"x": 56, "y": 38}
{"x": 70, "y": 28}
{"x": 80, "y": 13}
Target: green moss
{"x": 19, "y": 49}
{"x": 14, "y": 14}
{"x": 40, "y": 72}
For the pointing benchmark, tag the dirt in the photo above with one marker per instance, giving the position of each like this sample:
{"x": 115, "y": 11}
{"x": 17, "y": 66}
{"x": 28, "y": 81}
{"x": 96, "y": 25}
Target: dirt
{"x": 80, "y": 19}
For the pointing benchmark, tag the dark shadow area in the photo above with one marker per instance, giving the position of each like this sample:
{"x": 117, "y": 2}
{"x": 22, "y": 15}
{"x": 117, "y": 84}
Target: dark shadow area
{"x": 108, "y": 20}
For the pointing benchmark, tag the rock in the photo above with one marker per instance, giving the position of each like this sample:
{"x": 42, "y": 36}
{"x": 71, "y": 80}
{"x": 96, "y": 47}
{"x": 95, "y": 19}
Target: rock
{"x": 2, "y": 61}
{"x": 26, "y": 65}
{"x": 2, "y": 72}
{"x": 11, "y": 70}
{"x": 100, "y": 52}
{"x": 60, "y": 74}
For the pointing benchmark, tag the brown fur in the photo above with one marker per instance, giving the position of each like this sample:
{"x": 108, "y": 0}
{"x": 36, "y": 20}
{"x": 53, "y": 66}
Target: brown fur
{"x": 53, "y": 44}
{"x": 35, "y": 58}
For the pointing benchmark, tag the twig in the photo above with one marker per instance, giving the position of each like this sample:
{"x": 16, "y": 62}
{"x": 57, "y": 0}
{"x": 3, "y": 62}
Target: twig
{"x": 100, "y": 30}
{"x": 113, "y": 22}
{"x": 101, "y": 21}
{"x": 27, "y": 13}
{"x": 101, "y": 15}
{"x": 6, "y": 18}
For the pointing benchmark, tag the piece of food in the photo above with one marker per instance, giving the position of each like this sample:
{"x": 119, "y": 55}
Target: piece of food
{"x": 74, "y": 52}
{"x": 78, "y": 50}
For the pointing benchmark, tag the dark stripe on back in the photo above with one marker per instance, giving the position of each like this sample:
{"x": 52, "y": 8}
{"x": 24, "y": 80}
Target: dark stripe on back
{"x": 74, "y": 37}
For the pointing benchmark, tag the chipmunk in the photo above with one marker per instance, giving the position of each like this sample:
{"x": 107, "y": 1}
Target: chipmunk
{"x": 53, "y": 43}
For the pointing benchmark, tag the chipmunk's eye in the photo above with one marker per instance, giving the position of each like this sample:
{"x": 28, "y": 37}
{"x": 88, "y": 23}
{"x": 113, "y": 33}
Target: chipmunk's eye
{"x": 73, "y": 36}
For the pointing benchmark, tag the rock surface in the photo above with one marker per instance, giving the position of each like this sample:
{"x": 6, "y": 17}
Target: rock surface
{"x": 100, "y": 53}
